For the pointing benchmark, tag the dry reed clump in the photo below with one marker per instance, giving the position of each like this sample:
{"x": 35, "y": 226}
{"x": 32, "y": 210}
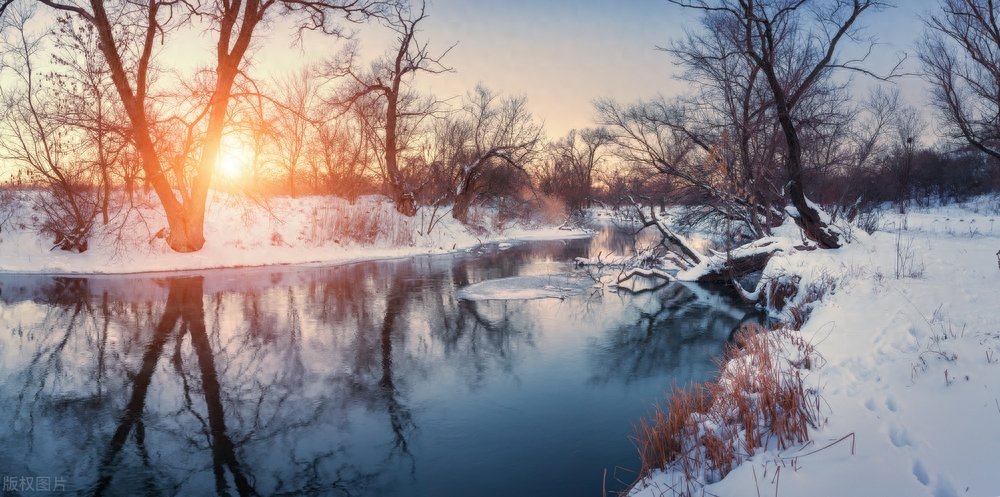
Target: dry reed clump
{"x": 758, "y": 403}
{"x": 367, "y": 222}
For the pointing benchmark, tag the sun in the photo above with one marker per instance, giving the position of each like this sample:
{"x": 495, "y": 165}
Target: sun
{"x": 233, "y": 161}
{"x": 231, "y": 166}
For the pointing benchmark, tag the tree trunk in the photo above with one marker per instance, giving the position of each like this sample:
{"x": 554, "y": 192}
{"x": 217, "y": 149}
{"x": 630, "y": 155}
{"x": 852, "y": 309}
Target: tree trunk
{"x": 403, "y": 199}
{"x": 807, "y": 218}
{"x": 186, "y": 227}
{"x": 463, "y": 199}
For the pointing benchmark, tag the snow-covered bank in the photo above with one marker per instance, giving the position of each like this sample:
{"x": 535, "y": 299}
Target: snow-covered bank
{"x": 909, "y": 337}
{"x": 239, "y": 233}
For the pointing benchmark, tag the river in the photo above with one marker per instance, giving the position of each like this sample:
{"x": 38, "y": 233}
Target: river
{"x": 364, "y": 379}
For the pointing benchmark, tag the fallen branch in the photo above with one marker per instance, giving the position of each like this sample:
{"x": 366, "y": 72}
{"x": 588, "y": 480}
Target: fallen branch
{"x": 649, "y": 273}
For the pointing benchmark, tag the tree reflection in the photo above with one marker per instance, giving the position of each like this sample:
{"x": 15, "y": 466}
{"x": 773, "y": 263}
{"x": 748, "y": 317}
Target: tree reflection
{"x": 243, "y": 399}
{"x": 675, "y": 330}
{"x": 400, "y": 417}
{"x": 184, "y": 308}
{"x": 478, "y": 335}
{"x": 289, "y": 383}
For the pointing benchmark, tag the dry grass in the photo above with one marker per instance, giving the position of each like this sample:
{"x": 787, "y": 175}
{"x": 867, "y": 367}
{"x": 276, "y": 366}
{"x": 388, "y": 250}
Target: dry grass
{"x": 367, "y": 222}
{"x": 758, "y": 403}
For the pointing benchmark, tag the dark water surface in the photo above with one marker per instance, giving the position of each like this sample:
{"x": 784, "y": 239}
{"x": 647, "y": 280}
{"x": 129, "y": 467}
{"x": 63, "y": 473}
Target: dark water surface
{"x": 365, "y": 379}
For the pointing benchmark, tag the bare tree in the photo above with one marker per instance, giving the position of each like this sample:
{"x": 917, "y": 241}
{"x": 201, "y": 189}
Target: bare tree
{"x": 292, "y": 125}
{"x": 88, "y": 101}
{"x": 794, "y": 45}
{"x": 961, "y": 60}
{"x": 344, "y": 152}
{"x": 909, "y": 125}
{"x": 449, "y": 146}
{"x": 866, "y": 142}
{"x": 38, "y": 138}
{"x": 504, "y": 136}
{"x": 388, "y": 79}
{"x": 129, "y": 33}
{"x": 573, "y": 161}
{"x": 731, "y": 116}
{"x": 652, "y": 137}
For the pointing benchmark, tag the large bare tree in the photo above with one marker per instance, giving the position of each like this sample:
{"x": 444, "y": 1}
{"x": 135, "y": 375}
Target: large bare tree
{"x": 794, "y": 45}
{"x": 731, "y": 118}
{"x": 388, "y": 78}
{"x": 129, "y": 34}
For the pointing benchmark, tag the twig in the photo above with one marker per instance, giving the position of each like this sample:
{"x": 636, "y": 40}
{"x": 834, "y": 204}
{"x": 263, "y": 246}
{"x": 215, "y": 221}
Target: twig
{"x": 776, "y": 480}
{"x": 755, "y": 484}
{"x": 649, "y": 273}
{"x": 831, "y": 444}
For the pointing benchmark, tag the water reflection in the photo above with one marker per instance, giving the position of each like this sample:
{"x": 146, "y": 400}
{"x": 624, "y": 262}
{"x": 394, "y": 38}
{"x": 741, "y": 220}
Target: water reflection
{"x": 367, "y": 379}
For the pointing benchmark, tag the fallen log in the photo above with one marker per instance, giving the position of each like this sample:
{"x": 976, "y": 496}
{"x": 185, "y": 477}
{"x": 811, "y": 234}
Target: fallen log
{"x": 649, "y": 273}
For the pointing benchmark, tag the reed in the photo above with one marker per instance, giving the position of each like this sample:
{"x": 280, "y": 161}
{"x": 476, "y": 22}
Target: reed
{"x": 758, "y": 402}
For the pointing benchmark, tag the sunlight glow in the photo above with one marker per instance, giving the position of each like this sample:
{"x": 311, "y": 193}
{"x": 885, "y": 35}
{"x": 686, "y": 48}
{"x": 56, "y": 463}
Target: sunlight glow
{"x": 230, "y": 165}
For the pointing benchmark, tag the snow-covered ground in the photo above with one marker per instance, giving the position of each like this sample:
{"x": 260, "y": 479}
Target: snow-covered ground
{"x": 909, "y": 376}
{"x": 240, "y": 233}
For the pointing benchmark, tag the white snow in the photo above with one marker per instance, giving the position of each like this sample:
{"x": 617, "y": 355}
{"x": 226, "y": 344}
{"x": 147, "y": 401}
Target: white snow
{"x": 909, "y": 336}
{"x": 526, "y": 287}
{"x": 239, "y": 233}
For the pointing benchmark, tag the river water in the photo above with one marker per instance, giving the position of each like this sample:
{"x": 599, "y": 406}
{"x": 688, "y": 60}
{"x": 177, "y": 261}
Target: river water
{"x": 363, "y": 379}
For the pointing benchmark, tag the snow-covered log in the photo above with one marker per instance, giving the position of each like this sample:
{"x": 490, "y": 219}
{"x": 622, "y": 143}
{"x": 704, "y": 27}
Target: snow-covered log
{"x": 724, "y": 267}
{"x": 678, "y": 242}
{"x": 718, "y": 267}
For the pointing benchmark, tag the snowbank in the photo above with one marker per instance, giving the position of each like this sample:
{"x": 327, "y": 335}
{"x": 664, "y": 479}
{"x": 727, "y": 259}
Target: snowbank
{"x": 909, "y": 336}
{"x": 239, "y": 233}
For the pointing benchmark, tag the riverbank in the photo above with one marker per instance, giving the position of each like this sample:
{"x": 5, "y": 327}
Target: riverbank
{"x": 241, "y": 233}
{"x": 909, "y": 377}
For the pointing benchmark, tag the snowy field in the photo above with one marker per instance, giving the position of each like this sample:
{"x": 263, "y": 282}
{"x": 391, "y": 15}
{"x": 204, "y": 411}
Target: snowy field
{"x": 909, "y": 369}
{"x": 240, "y": 233}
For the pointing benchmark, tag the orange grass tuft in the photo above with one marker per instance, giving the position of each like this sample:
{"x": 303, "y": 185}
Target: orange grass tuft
{"x": 758, "y": 402}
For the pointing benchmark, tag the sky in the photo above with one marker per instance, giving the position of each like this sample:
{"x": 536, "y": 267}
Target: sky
{"x": 560, "y": 54}
{"x": 563, "y": 54}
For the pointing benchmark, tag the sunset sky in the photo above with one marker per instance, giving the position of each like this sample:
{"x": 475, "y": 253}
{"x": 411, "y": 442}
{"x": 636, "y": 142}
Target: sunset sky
{"x": 563, "y": 54}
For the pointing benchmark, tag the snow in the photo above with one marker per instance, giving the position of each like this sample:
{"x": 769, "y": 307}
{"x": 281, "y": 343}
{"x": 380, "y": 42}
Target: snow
{"x": 527, "y": 288}
{"x": 239, "y": 233}
{"x": 909, "y": 380}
